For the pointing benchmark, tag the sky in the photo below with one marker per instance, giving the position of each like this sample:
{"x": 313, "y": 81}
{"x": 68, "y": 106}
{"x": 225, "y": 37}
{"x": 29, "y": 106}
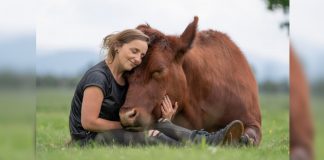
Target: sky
{"x": 307, "y": 23}
{"x": 17, "y": 17}
{"x": 74, "y": 23}
{"x": 307, "y": 35}
{"x": 81, "y": 24}
{"x": 17, "y": 35}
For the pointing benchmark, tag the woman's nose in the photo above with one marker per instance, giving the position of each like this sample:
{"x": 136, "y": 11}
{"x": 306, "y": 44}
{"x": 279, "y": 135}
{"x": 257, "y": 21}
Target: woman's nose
{"x": 138, "y": 60}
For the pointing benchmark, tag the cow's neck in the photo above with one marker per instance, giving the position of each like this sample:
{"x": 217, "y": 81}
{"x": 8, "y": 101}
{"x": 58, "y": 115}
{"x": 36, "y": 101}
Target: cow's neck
{"x": 193, "y": 72}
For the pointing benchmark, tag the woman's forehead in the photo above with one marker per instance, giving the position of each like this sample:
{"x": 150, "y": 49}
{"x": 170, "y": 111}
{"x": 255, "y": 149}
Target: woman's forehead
{"x": 138, "y": 44}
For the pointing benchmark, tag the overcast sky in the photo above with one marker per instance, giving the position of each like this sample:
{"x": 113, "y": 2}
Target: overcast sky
{"x": 63, "y": 24}
{"x": 307, "y": 35}
{"x": 307, "y": 21}
{"x": 80, "y": 24}
{"x": 75, "y": 24}
{"x": 17, "y": 17}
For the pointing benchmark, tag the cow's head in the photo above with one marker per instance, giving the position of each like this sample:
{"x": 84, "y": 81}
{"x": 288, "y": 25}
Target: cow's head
{"x": 159, "y": 74}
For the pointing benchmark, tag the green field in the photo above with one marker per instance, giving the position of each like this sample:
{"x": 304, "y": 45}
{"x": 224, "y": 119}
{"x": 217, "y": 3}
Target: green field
{"x": 16, "y": 124}
{"x": 53, "y": 106}
{"x": 318, "y": 117}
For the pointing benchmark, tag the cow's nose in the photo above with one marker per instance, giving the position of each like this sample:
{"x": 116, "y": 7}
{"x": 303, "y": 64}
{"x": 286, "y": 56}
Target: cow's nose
{"x": 131, "y": 114}
{"x": 128, "y": 117}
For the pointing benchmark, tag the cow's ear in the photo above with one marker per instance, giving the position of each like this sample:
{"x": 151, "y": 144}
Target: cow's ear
{"x": 187, "y": 37}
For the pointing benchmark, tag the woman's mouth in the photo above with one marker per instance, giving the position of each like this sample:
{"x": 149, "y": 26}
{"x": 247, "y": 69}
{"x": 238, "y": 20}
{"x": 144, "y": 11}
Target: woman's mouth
{"x": 133, "y": 64}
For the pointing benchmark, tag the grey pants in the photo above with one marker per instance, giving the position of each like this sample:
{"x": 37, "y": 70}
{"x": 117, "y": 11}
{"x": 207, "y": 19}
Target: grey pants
{"x": 170, "y": 134}
{"x": 127, "y": 138}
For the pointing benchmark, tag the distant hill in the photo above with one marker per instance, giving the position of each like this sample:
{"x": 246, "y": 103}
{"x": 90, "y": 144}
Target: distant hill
{"x": 18, "y": 52}
{"x": 74, "y": 62}
{"x": 268, "y": 69}
{"x": 18, "y": 55}
{"x": 311, "y": 56}
{"x": 65, "y": 63}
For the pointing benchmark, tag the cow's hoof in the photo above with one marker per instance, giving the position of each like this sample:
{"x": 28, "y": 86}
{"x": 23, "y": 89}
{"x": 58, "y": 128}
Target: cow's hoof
{"x": 246, "y": 140}
{"x": 300, "y": 153}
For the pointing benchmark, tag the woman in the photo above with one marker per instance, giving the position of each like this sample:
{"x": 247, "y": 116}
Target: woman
{"x": 101, "y": 92}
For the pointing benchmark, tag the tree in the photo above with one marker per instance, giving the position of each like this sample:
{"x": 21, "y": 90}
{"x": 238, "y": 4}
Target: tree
{"x": 283, "y": 5}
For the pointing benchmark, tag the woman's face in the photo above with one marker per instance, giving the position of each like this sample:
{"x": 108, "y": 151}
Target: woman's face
{"x": 130, "y": 54}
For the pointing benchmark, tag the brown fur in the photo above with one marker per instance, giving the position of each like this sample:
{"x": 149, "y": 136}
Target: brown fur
{"x": 204, "y": 71}
{"x": 301, "y": 126}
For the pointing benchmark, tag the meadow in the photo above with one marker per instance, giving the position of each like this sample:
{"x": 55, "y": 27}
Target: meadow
{"x": 52, "y": 133}
{"x": 318, "y": 117}
{"x": 16, "y": 124}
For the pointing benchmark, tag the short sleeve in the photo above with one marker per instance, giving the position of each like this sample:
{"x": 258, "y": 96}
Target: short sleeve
{"x": 97, "y": 78}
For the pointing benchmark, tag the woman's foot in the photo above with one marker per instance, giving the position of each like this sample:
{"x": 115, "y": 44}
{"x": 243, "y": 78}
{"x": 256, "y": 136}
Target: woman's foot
{"x": 230, "y": 135}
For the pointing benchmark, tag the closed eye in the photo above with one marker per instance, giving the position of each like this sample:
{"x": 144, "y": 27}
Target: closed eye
{"x": 156, "y": 75}
{"x": 134, "y": 50}
{"x": 159, "y": 73}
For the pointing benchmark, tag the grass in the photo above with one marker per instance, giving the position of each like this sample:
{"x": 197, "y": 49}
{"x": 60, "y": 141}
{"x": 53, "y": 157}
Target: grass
{"x": 16, "y": 118}
{"x": 53, "y": 106}
{"x": 318, "y": 112}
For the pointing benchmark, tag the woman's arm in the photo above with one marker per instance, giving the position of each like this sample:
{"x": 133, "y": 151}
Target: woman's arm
{"x": 91, "y": 105}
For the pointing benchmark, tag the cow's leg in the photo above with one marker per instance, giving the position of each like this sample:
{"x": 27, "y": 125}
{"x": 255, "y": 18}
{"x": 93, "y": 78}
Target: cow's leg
{"x": 300, "y": 152}
{"x": 252, "y": 135}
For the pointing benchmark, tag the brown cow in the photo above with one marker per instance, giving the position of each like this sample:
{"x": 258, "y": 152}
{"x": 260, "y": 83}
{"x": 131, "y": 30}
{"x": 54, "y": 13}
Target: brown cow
{"x": 205, "y": 72}
{"x": 301, "y": 125}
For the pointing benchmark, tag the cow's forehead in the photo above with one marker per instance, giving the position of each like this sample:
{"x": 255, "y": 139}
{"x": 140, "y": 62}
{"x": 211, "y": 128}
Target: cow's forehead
{"x": 157, "y": 38}
{"x": 154, "y": 60}
{"x": 157, "y": 52}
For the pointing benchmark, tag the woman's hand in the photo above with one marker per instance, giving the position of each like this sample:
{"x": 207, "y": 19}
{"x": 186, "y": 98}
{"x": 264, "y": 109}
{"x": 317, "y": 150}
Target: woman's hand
{"x": 167, "y": 110}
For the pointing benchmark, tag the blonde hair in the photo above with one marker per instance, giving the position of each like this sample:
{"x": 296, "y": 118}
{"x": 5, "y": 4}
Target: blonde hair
{"x": 112, "y": 41}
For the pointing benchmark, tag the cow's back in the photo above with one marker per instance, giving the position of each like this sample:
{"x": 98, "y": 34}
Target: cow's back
{"x": 222, "y": 86}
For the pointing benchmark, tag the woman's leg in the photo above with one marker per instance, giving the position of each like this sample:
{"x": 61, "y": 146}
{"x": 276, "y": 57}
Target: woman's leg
{"x": 123, "y": 137}
{"x": 231, "y": 134}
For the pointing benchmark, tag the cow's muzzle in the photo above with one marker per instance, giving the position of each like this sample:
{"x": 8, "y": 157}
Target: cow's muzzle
{"x": 128, "y": 118}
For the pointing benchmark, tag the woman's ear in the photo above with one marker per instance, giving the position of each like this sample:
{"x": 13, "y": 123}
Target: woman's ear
{"x": 117, "y": 47}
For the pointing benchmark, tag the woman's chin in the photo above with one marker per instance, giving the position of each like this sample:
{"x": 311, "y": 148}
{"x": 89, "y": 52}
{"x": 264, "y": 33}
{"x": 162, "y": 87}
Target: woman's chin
{"x": 129, "y": 68}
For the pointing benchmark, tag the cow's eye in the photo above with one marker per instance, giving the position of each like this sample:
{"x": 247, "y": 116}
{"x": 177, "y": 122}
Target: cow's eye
{"x": 158, "y": 73}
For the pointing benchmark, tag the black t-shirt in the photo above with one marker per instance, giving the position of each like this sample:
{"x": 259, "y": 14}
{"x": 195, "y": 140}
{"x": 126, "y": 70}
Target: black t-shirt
{"x": 114, "y": 96}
